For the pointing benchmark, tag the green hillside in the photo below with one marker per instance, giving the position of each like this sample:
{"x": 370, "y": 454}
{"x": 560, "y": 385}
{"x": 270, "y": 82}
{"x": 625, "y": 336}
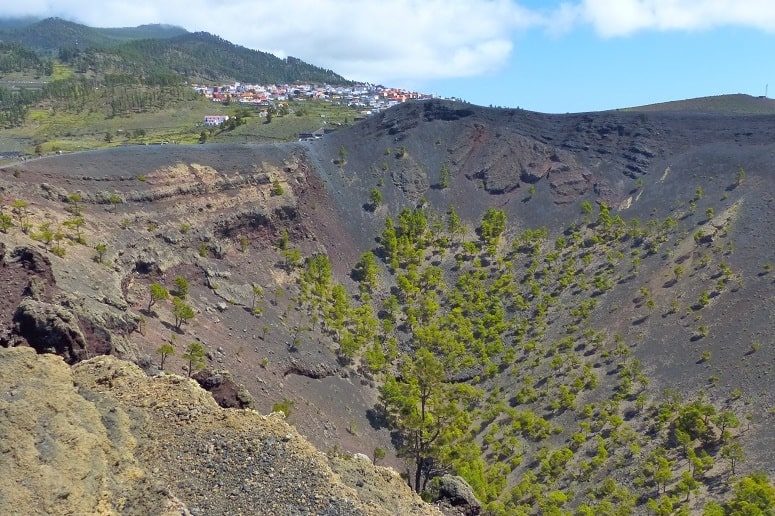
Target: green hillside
{"x": 77, "y": 72}
{"x": 16, "y": 23}
{"x": 150, "y": 52}
{"x": 197, "y": 56}
{"x": 52, "y": 34}
{"x": 16, "y": 58}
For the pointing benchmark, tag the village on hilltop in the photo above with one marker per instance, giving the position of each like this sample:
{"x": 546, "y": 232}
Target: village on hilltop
{"x": 368, "y": 98}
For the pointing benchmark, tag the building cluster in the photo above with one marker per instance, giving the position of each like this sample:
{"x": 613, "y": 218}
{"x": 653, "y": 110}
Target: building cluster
{"x": 368, "y": 98}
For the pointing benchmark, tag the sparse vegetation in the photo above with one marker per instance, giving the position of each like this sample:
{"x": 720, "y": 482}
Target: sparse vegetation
{"x": 284, "y": 406}
{"x": 444, "y": 176}
{"x": 277, "y": 188}
{"x": 195, "y": 356}
{"x": 181, "y": 287}
{"x": 158, "y": 292}
{"x": 165, "y": 350}
{"x": 182, "y": 312}
{"x": 100, "y": 249}
{"x": 375, "y": 199}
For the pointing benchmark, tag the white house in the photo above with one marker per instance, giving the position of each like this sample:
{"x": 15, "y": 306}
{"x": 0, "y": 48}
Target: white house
{"x": 215, "y": 120}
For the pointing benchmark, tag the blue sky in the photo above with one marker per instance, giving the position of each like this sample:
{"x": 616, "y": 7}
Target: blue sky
{"x": 581, "y": 71}
{"x": 545, "y": 55}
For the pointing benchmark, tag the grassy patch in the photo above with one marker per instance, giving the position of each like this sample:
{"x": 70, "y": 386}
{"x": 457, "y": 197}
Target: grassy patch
{"x": 314, "y": 115}
{"x": 56, "y": 129}
{"x": 61, "y": 72}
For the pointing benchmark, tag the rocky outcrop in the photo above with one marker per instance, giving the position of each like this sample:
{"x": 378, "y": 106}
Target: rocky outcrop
{"x": 62, "y": 453}
{"x": 506, "y": 161}
{"x": 50, "y": 329}
{"x": 453, "y": 496}
{"x": 315, "y": 371}
{"x": 227, "y": 392}
{"x": 33, "y": 261}
{"x": 114, "y": 440}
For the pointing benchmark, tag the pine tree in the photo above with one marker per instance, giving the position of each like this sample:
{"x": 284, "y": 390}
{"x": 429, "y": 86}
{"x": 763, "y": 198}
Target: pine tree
{"x": 195, "y": 356}
{"x": 181, "y": 311}
{"x": 158, "y": 293}
{"x": 425, "y": 410}
{"x": 164, "y": 351}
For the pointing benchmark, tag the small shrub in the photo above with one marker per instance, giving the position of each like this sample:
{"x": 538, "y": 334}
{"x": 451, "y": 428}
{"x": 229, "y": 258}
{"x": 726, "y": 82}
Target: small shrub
{"x": 379, "y": 454}
{"x": 100, "y": 250}
{"x": 277, "y": 188}
{"x": 285, "y": 406}
{"x": 181, "y": 287}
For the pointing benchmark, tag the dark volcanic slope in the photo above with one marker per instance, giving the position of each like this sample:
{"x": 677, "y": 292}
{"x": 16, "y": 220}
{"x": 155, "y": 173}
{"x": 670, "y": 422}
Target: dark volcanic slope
{"x": 738, "y": 104}
{"x": 133, "y": 161}
{"x": 643, "y": 165}
{"x": 495, "y": 156}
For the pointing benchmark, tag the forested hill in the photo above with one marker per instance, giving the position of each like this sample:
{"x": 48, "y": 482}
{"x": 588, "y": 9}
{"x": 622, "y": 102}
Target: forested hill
{"x": 153, "y": 51}
{"x": 201, "y": 56}
{"x": 58, "y": 63}
{"x": 52, "y": 34}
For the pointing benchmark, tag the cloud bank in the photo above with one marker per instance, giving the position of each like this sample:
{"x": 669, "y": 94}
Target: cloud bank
{"x": 612, "y": 18}
{"x": 400, "y": 41}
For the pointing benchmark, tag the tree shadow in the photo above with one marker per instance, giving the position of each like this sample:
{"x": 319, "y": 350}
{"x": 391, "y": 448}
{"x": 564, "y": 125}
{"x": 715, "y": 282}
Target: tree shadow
{"x": 172, "y": 327}
{"x": 638, "y": 322}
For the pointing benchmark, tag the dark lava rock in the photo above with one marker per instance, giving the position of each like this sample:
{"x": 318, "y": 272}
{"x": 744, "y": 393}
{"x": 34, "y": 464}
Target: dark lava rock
{"x": 453, "y": 495}
{"x": 439, "y": 111}
{"x": 50, "y": 329}
{"x": 146, "y": 363}
{"x": 532, "y": 174}
{"x": 705, "y": 239}
{"x": 227, "y": 392}
{"x": 35, "y": 289}
{"x": 314, "y": 371}
{"x": 33, "y": 261}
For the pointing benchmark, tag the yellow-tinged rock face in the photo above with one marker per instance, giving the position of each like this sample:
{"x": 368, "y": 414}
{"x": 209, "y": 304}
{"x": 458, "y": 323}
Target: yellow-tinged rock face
{"x": 104, "y": 438}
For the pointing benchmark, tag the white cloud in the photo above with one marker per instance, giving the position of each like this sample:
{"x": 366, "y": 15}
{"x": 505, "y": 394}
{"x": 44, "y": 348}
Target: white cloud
{"x": 388, "y": 41}
{"x": 623, "y": 17}
{"x": 402, "y": 41}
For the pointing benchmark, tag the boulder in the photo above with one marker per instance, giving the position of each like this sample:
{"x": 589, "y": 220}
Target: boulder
{"x": 50, "y": 329}
{"x": 453, "y": 495}
{"x": 35, "y": 289}
{"x": 33, "y": 261}
{"x": 226, "y": 392}
{"x": 361, "y": 457}
{"x": 533, "y": 173}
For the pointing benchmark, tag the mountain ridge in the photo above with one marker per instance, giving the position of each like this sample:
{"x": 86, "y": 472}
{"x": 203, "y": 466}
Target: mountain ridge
{"x": 51, "y": 34}
{"x": 161, "y": 49}
{"x": 732, "y": 103}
